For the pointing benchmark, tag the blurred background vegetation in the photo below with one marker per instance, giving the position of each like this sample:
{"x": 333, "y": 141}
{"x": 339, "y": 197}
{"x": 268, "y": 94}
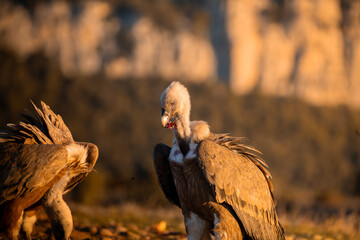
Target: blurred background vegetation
{"x": 313, "y": 151}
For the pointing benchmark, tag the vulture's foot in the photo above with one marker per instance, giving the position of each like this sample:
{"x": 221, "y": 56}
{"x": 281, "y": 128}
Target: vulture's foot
{"x": 58, "y": 211}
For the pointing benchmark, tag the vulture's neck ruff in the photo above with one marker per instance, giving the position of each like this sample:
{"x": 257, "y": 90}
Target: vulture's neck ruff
{"x": 175, "y": 103}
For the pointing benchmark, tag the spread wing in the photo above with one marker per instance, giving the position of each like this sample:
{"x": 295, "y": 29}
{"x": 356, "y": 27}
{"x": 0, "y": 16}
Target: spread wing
{"x": 27, "y": 167}
{"x": 166, "y": 181}
{"x": 240, "y": 183}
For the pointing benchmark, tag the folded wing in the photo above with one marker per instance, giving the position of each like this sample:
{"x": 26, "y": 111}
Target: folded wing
{"x": 27, "y": 167}
{"x": 240, "y": 183}
{"x": 160, "y": 156}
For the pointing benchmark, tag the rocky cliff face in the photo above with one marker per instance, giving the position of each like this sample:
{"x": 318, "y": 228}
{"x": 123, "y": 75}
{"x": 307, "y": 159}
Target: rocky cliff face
{"x": 79, "y": 43}
{"x": 310, "y": 51}
{"x": 170, "y": 55}
{"x": 303, "y": 48}
{"x": 89, "y": 37}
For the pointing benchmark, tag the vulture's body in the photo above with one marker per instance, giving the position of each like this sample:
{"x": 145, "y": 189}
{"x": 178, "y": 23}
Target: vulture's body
{"x": 39, "y": 162}
{"x": 220, "y": 184}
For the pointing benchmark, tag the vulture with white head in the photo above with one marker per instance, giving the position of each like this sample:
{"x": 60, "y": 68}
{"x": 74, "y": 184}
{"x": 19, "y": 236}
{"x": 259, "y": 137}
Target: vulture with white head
{"x": 221, "y": 184}
{"x": 39, "y": 162}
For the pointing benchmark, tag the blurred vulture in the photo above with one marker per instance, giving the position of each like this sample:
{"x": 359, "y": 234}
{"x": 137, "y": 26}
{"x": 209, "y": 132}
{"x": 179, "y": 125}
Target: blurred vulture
{"x": 39, "y": 162}
{"x": 220, "y": 184}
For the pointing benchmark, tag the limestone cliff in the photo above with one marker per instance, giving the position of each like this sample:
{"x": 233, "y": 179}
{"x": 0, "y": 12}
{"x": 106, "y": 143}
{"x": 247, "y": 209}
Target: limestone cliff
{"x": 87, "y": 38}
{"x": 309, "y": 49}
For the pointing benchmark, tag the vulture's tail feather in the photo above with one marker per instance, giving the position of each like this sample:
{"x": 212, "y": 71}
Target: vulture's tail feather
{"x": 38, "y": 127}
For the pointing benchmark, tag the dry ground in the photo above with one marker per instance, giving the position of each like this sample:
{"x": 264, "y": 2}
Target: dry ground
{"x": 131, "y": 221}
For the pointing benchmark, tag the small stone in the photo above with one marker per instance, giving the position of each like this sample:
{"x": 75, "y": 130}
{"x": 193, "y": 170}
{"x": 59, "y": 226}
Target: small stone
{"x": 121, "y": 229}
{"x": 106, "y": 232}
{"x": 134, "y": 235}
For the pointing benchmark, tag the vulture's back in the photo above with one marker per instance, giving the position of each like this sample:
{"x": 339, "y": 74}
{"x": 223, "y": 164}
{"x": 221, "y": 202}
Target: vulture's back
{"x": 28, "y": 167}
{"x": 39, "y": 148}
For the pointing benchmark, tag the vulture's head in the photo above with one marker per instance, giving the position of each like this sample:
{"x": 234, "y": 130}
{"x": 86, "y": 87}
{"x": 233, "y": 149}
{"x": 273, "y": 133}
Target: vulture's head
{"x": 175, "y": 107}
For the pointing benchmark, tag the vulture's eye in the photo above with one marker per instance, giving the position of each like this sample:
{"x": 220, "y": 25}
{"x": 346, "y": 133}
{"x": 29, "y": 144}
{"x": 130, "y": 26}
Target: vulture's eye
{"x": 172, "y": 103}
{"x": 162, "y": 111}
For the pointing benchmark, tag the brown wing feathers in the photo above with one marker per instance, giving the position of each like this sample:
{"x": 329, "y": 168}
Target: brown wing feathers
{"x": 24, "y": 133}
{"x": 26, "y": 173}
{"x": 239, "y": 183}
{"x": 237, "y": 145}
{"x": 32, "y": 130}
{"x": 40, "y": 127}
{"x": 44, "y": 134}
{"x": 58, "y": 131}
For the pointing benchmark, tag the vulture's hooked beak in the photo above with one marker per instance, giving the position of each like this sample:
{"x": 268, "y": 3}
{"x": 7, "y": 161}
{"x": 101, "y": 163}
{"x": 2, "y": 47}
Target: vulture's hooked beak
{"x": 165, "y": 120}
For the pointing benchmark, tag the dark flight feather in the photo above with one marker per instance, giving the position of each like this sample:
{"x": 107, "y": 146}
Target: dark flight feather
{"x": 160, "y": 156}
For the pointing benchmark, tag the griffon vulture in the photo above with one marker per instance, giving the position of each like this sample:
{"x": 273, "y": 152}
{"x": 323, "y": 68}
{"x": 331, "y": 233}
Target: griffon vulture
{"x": 220, "y": 183}
{"x": 39, "y": 162}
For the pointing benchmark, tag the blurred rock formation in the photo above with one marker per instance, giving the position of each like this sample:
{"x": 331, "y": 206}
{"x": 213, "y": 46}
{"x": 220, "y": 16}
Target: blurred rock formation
{"x": 303, "y": 48}
{"x": 86, "y": 39}
{"x": 309, "y": 49}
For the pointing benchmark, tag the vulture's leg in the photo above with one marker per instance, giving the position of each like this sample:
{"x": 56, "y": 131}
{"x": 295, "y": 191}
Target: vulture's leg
{"x": 11, "y": 218}
{"x": 28, "y": 224}
{"x": 197, "y": 228}
{"x": 225, "y": 225}
{"x": 16, "y": 230}
{"x": 29, "y": 219}
{"x": 58, "y": 211}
